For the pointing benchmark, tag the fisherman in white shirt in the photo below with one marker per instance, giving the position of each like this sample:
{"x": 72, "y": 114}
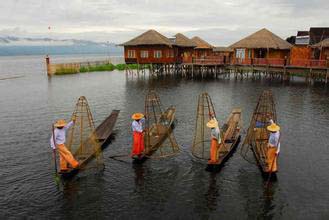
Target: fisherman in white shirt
{"x": 215, "y": 140}
{"x": 138, "y": 135}
{"x": 57, "y": 141}
{"x": 273, "y": 147}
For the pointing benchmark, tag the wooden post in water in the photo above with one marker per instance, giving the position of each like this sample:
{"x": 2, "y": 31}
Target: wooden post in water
{"x": 49, "y": 73}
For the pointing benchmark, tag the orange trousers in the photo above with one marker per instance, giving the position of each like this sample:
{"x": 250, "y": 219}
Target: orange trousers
{"x": 138, "y": 143}
{"x": 213, "y": 151}
{"x": 272, "y": 159}
{"x": 65, "y": 157}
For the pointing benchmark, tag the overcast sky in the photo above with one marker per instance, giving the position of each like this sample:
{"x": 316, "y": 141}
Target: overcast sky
{"x": 221, "y": 22}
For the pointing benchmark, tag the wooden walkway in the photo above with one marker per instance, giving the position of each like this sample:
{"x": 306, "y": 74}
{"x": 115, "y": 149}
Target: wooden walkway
{"x": 311, "y": 70}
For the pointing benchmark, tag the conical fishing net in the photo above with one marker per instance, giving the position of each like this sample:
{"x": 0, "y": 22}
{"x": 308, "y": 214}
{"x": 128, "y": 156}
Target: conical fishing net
{"x": 159, "y": 138}
{"x": 202, "y": 138}
{"x": 82, "y": 141}
{"x": 257, "y": 135}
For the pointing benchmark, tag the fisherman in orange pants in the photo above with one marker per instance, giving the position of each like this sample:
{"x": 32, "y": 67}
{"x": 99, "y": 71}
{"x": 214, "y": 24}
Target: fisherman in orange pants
{"x": 273, "y": 147}
{"x": 215, "y": 140}
{"x": 138, "y": 135}
{"x": 58, "y": 141}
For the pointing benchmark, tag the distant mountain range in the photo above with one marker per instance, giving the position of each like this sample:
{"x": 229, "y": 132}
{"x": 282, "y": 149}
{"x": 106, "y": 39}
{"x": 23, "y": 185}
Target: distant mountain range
{"x": 10, "y": 45}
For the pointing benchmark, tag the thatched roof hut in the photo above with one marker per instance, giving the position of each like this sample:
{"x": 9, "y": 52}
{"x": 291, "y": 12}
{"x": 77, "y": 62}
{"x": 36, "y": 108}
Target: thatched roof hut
{"x": 150, "y": 37}
{"x": 262, "y": 39}
{"x": 324, "y": 43}
{"x": 201, "y": 44}
{"x": 183, "y": 41}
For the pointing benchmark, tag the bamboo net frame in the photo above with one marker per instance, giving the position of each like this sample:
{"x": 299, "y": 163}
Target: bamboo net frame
{"x": 82, "y": 139}
{"x": 257, "y": 134}
{"x": 159, "y": 138}
{"x": 202, "y": 138}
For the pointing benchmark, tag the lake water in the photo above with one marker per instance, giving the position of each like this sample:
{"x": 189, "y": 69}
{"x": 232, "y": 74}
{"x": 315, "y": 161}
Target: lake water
{"x": 172, "y": 188}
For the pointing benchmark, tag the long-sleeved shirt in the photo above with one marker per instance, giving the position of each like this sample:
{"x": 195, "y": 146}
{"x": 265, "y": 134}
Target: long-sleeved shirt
{"x": 60, "y": 135}
{"x": 215, "y": 133}
{"x": 274, "y": 140}
{"x": 137, "y": 125}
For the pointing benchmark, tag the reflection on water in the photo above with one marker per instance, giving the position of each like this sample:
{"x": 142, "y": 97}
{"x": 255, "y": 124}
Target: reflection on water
{"x": 212, "y": 193}
{"x": 139, "y": 175}
{"x": 169, "y": 188}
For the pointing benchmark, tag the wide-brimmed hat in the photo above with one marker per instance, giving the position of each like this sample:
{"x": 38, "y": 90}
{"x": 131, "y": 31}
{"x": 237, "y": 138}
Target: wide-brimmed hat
{"x": 137, "y": 116}
{"x": 273, "y": 127}
{"x": 212, "y": 124}
{"x": 60, "y": 123}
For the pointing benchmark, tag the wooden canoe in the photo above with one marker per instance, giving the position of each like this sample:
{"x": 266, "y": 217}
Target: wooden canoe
{"x": 102, "y": 135}
{"x": 257, "y": 135}
{"x": 231, "y": 139}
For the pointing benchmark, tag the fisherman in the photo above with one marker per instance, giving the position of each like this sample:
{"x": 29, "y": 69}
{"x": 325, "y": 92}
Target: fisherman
{"x": 138, "y": 135}
{"x": 58, "y": 142}
{"x": 273, "y": 147}
{"x": 215, "y": 140}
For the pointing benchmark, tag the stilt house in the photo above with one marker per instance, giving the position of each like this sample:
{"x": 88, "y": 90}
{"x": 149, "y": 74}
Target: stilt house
{"x": 259, "y": 46}
{"x": 184, "y": 48}
{"x": 203, "y": 49}
{"x": 150, "y": 47}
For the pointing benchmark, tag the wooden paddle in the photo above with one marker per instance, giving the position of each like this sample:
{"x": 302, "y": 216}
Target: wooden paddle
{"x": 57, "y": 179}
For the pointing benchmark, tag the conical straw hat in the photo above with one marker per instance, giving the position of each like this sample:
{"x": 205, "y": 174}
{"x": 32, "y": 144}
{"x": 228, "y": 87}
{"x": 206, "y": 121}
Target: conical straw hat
{"x": 273, "y": 127}
{"x": 212, "y": 124}
{"x": 60, "y": 123}
{"x": 137, "y": 116}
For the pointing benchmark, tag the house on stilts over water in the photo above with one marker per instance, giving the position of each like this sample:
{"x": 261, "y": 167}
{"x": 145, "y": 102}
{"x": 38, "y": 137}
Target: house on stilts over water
{"x": 184, "y": 48}
{"x": 203, "y": 49}
{"x": 261, "y": 47}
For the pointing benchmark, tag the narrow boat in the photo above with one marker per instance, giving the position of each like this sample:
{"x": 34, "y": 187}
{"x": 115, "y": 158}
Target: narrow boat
{"x": 230, "y": 133}
{"x": 158, "y": 133}
{"x": 230, "y": 140}
{"x": 97, "y": 140}
{"x": 159, "y": 128}
{"x": 257, "y": 135}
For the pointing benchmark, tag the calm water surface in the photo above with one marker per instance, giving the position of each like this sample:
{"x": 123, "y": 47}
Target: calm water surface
{"x": 174, "y": 188}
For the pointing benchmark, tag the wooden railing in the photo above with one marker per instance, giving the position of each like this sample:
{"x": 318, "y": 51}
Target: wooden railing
{"x": 274, "y": 62}
{"x": 309, "y": 63}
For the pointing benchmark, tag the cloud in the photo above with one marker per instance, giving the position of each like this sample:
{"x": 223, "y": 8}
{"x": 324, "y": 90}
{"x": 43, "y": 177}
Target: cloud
{"x": 220, "y": 21}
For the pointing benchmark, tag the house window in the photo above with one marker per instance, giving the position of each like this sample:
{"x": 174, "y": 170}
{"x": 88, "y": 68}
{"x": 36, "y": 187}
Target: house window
{"x": 131, "y": 54}
{"x": 157, "y": 54}
{"x": 240, "y": 53}
{"x": 249, "y": 53}
{"x": 144, "y": 54}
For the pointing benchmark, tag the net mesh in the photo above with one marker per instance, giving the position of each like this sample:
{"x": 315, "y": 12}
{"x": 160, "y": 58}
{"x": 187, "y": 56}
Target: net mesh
{"x": 82, "y": 141}
{"x": 257, "y": 134}
{"x": 159, "y": 137}
{"x": 202, "y": 138}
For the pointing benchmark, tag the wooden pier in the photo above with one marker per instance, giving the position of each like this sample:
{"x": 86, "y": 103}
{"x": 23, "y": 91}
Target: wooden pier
{"x": 212, "y": 68}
